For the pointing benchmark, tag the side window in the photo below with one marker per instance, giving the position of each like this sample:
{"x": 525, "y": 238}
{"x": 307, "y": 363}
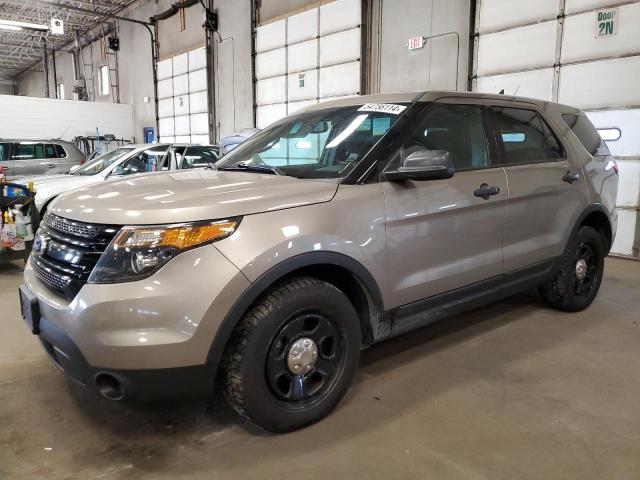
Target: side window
{"x": 50, "y": 151}
{"x": 196, "y": 157}
{"x": 60, "y": 151}
{"x": 28, "y": 151}
{"x": 523, "y": 137}
{"x": 586, "y": 133}
{"x": 5, "y": 148}
{"x": 149, "y": 160}
{"x": 456, "y": 129}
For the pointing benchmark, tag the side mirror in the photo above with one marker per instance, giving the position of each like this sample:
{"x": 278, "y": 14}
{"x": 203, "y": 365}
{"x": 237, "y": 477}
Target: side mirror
{"x": 118, "y": 171}
{"x": 74, "y": 168}
{"x": 423, "y": 165}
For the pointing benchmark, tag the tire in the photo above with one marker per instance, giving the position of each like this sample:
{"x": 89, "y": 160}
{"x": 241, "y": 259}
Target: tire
{"x": 257, "y": 379}
{"x": 566, "y": 291}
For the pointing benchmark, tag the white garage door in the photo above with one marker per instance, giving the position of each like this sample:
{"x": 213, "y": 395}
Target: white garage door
{"x": 584, "y": 53}
{"x": 182, "y": 98}
{"x": 310, "y": 56}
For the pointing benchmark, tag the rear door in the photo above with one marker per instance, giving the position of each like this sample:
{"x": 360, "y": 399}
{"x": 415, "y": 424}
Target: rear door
{"x": 546, "y": 188}
{"x": 29, "y": 160}
{"x": 443, "y": 234}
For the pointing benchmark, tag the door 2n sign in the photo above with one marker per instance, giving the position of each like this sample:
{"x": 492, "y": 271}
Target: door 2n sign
{"x": 607, "y": 22}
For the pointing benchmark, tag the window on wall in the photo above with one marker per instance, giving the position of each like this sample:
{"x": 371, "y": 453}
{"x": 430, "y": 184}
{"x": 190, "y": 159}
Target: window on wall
{"x": 105, "y": 84}
{"x": 60, "y": 90}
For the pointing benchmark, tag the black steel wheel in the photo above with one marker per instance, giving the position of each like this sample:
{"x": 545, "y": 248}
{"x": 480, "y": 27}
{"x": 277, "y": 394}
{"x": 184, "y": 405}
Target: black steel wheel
{"x": 580, "y": 272}
{"x": 293, "y": 356}
{"x": 586, "y": 273}
{"x": 305, "y": 358}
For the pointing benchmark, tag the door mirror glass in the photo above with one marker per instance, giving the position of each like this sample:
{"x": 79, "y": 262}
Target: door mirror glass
{"x": 118, "y": 171}
{"x": 423, "y": 165}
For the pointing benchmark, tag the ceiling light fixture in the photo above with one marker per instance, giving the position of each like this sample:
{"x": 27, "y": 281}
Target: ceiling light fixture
{"x": 13, "y": 25}
{"x": 10, "y": 27}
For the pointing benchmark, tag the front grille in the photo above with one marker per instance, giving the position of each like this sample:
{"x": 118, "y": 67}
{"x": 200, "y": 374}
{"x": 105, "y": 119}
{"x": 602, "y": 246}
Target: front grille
{"x": 65, "y": 252}
{"x": 50, "y": 277}
{"x": 70, "y": 227}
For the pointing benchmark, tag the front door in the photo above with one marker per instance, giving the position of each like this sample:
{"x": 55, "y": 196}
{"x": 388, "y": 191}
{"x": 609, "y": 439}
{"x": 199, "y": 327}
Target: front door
{"x": 446, "y": 234}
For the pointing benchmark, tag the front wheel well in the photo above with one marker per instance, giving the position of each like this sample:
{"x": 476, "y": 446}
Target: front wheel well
{"x": 600, "y": 223}
{"x": 352, "y": 286}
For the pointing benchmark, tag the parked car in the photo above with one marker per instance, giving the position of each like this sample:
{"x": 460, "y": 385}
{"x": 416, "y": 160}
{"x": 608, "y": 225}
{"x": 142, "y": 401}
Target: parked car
{"x": 21, "y": 158}
{"x": 347, "y": 224}
{"x": 232, "y": 141}
{"x": 122, "y": 161}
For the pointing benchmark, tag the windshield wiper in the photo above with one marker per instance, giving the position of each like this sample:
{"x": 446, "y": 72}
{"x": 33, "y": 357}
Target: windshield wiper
{"x": 246, "y": 167}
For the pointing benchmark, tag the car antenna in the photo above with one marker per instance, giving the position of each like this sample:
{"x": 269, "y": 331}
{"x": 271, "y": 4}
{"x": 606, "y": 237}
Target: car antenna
{"x": 516, "y": 92}
{"x": 501, "y": 92}
{"x": 63, "y": 133}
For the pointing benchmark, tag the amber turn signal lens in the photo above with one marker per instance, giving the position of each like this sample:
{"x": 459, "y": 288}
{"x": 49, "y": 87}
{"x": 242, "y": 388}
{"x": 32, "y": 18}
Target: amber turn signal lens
{"x": 180, "y": 236}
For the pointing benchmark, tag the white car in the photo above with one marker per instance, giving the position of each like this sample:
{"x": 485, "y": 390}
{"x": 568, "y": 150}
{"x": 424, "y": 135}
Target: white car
{"x": 127, "y": 160}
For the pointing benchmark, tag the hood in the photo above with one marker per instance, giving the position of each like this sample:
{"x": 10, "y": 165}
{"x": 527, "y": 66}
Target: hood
{"x": 42, "y": 179}
{"x": 188, "y": 195}
{"x": 50, "y": 186}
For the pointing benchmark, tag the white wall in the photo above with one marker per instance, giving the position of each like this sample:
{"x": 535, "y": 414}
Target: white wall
{"x": 24, "y": 117}
{"x": 442, "y": 64}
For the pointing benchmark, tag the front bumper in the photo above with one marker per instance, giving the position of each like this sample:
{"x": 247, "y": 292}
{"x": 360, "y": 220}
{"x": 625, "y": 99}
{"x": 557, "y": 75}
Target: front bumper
{"x": 150, "y": 383}
{"x": 152, "y": 333}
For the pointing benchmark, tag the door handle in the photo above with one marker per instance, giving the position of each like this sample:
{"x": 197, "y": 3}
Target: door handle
{"x": 570, "y": 177}
{"x": 52, "y": 165}
{"x": 485, "y": 191}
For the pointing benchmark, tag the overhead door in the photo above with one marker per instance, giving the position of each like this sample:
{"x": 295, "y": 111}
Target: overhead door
{"x": 307, "y": 57}
{"x": 182, "y": 98}
{"x": 584, "y": 53}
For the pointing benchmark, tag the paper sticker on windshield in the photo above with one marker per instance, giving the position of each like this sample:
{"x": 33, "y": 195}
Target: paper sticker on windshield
{"x": 382, "y": 108}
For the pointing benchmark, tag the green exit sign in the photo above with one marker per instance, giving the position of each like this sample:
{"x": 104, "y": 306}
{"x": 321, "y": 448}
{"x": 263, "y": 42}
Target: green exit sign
{"x": 607, "y": 22}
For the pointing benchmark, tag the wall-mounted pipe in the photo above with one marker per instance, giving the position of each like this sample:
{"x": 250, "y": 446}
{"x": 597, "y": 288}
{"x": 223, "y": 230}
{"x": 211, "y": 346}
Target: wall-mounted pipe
{"x": 45, "y": 69}
{"x": 173, "y": 9}
{"x": 55, "y": 73}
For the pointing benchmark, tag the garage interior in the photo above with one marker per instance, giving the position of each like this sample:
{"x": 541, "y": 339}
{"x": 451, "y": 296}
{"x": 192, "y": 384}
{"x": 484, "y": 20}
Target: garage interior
{"x": 514, "y": 389}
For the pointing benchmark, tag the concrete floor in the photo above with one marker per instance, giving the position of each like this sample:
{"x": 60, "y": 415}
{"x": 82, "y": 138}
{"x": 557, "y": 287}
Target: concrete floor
{"x": 514, "y": 390}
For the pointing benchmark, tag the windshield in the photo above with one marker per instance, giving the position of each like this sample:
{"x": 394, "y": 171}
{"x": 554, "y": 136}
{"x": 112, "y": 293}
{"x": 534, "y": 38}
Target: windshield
{"x": 325, "y": 143}
{"x": 98, "y": 164}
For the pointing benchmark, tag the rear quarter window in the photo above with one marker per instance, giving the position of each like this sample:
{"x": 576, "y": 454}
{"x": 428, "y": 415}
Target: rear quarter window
{"x": 586, "y": 133}
{"x": 60, "y": 152}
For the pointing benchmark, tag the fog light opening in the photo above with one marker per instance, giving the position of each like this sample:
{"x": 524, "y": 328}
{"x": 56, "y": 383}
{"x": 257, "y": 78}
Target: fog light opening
{"x": 109, "y": 386}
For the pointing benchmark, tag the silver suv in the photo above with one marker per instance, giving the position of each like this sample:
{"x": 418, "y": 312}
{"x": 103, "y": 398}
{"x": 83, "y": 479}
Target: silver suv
{"x": 21, "y": 158}
{"x": 349, "y": 223}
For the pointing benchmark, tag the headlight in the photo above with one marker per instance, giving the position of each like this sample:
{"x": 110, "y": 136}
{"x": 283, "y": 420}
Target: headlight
{"x": 138, "y": 252}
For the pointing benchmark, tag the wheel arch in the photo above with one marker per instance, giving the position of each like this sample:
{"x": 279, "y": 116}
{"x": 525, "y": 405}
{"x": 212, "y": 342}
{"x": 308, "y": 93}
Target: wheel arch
{"x": 597, "y": 217}
{"x": 340, "y": 270}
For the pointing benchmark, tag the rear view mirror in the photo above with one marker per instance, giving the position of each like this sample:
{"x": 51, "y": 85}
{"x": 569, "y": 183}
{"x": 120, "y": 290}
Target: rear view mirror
{"x": 320, "y": 127}
{"x": 423, "y": 165}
